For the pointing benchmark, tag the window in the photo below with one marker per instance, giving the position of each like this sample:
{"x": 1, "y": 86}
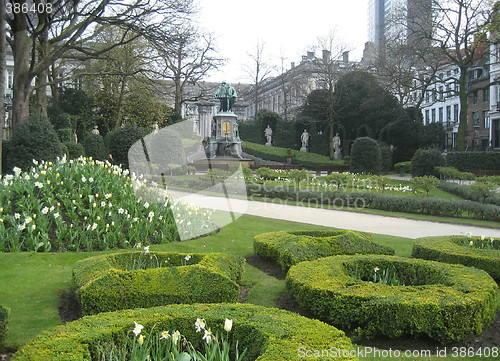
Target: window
{"x": 448, "y": 113}
{"x": 455, "y": 113}
{"x": 475, "y": 94}
{"x": 427, "y": 116}
{"x": 486, "y": 95}
{"x": 10, "y": 80}
{"x": 484, "y": 115}
{"x": 433, "y": 118}
{"x": 475, "y": 119}
{"x": 441, "y": 118}
{"x": 487, "y": 121}
{"x": 440, "y": 94}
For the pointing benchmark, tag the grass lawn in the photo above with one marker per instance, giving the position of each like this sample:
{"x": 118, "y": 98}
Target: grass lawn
{"x": 30, "y": 283}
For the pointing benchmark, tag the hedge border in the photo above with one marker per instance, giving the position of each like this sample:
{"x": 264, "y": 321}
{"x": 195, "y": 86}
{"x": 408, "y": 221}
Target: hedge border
{"x": 102, "y": 284}
{"x": 448, "y": 250}
{"x": 289, "y": 248}
{"x": 4, "y": 321}
{"x": 462, "y": 303}
{"x": 271, "y": 333}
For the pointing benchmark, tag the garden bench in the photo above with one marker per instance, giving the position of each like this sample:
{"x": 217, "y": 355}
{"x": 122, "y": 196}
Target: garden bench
{"x": 331, "y": 168}
{"x": 277, "y": 166}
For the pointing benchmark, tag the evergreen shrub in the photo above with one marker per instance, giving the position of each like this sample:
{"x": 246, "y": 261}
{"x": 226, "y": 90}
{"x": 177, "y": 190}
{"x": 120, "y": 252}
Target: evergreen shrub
{"x": 425, "y": 161}
{"x": 35, "y": 139}
{"x": 474, "y": 252}
{"x": 289, "y": 248}
{"x": 466, "y": 161}
{"x": 109, "y": 282}
{"x": 268, "y": 334}
{"x": 120, "y": 140}
{"x": 74, "y": 150}
{"x": 446, "y": 302}
{"x": 365, "y": 156}
{"x": 4, "y": 320}
{"x": 94, "y": 146}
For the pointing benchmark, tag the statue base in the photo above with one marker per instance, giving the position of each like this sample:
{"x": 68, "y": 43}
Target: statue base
{"x": 269, "y": 144}
{"x": 225, "y": 140}
{"x": 303, "y": 149}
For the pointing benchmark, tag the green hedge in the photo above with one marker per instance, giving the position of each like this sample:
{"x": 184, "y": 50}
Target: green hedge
{"x": 268, "y": 334}
{"x": 104, "y": 283}
{"x": 467, "y": 192}
{"x": 446, "y": 302}
{"x": 4, "y": 320}
{"x": 459, "y": 250}
{"x": 397, "y": 166}
{"x": 289, "y": 248}
{"x": 308, "y": 160}
{"x": 474, "y": 160}
{"x": 418, "y": 205}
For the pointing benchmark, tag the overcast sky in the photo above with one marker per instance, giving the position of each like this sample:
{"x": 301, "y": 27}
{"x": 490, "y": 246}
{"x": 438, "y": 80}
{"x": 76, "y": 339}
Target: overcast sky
{"x": 287, "y": 27}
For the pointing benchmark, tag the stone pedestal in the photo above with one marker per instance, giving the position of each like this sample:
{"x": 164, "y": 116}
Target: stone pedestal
{"x": 303, "y": 149}
{"x": 225, "y": 139}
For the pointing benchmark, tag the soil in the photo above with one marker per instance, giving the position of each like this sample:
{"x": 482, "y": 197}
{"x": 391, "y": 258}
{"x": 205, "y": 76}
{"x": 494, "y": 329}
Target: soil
{"x": 68, "y": 307}
{"x": 489, "y": 338}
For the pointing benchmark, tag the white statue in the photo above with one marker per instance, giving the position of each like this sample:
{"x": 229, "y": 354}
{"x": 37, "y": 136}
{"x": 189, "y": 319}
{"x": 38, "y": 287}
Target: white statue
{"x": 95, "y": 130}
{"x": 336, "y": 147}
{"x": 305, "y": 140}
{"x": 268, "y": 132}
{"x": 156, "y": 128}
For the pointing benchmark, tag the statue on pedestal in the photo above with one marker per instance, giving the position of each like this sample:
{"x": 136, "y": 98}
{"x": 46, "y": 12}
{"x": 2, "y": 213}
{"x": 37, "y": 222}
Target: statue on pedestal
{"x": 336, "y": 147}
{"x": 268, "y": 132}
{"x": 226, "y": 93}
{"x": 304, "y": 138}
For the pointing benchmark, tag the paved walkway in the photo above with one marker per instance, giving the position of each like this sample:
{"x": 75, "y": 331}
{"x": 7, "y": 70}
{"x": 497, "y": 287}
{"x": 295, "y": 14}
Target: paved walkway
{"x": 339, "y": 219}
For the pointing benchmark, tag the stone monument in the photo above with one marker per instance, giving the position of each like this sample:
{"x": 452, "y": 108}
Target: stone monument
{"x": 336, "y": 147}
{"x": 224, "y": 136}
{"x": 304, "y": 138}
{"x": 268, "y": 132}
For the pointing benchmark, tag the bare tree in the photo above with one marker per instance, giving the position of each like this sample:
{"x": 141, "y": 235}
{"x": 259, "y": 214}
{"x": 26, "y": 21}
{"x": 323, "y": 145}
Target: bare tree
{"x": 457, "y": 29}
{"x": 259, "y": 70}
{"x": 187, "y": 55}
{"x": 3, "y": 67}
{"x": 39, "y": 39}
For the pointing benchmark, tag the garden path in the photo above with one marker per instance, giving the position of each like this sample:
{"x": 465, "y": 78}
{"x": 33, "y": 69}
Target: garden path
{"x": 394, "y": 226}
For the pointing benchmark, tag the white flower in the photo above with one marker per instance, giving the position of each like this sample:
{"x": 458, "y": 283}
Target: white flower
{"x": 376, "y": 269}
{"x": 207, "y": 337}
{"x": 108, "y": 195}
{"x": 469, "y": 234}
{"x": 471, "y": 243}
{"x": 146, "y": 205}
{"x": 187, "y": 258}
{"x": 228, "y": 325}
{"x": 91, "y": 179}
{"x": 199, "y": 324}
{"x": 17, "y": 216}
{"x": 137, "y": 328}
{"x": 39, "y": 185}
{"x": 146, "y": 249}
{"x": 45, "y": 210}
{"x": 94, "y": 226}
{"x": 56, "y": 215}
{"x": 83, "y": 179}
{"x": 176, "y": 336}
{"x": 140, "y": 339}
{"x": 482, "y": 238}
{"x": 121, "y": 210}
{"x": 165, "y": 335}
{"x": 17, "y": 171}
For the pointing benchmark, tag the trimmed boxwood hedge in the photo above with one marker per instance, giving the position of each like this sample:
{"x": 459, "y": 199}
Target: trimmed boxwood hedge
{"x": 457, "y": 250}
{"x": 289, "y": 248}
{"x": 268, "y": 334}
{"x": 446, "y": 302}
{"x": 4, "y": 320}
{"x": 465, "y": 161}
{"x": 103, "y": 283}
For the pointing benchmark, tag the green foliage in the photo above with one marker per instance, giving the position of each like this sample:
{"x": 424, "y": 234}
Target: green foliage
{"x": 62, "y": 121}
{"x": 120, "y": 140}
{"x": 35, "y": 139}
{"x": 297, "y": 175}
{"x": 386, "y": 157}
{"x": 365, "y": 156}
{"x": 481, "y": 190}
{"x": 289, "y": 248}
{"x": 394, "y": 203}
{"x": 431, "y": 135}
{"x": 94, "y": 146}
{"x": 446, "y": 302}
{"x": 308, "y": 160}
{"x": 407, "y": 166}
{"x": 458, "y": 250}
{"x": 267, "y": 333}
{"x": 74, "y": 150}
{"x": 4, "y": 320}
{"x": 403, "y": 135}
{"x": 453, "y": 173}
{"x": 66, "y": 135}
{"x": 425, "y": 161}
{"x": 426, "y": 183}
{"x": 466, "y": 161}
{"x": 104, "y": 283}
{"x": 489, "y": 196}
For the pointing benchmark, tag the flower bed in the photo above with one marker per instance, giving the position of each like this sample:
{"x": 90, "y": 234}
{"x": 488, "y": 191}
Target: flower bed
{"x": 146, "y": 279}
{"x": 268, "y": 334}
{"x": 86, "y": 205}
{"x": 446, "y": 302}
{"x": 4, "y": 320}
{"x": 470, "y": 251}
{"x": 289, "y": 248}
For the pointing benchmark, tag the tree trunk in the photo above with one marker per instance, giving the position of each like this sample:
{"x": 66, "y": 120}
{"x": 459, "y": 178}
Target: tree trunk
{"x": 462, "y": 127}
{"x": 22, "y": 77}
{"x": 42, "y": 78}
{"x": 3, "y": 67}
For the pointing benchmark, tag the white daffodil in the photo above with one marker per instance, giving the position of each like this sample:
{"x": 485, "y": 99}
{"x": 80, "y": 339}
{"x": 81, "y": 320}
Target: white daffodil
{"x": 376, "y": 269}
{"x": 146, "y": 249}
{"x": 176, "y": 337}
{"x": 187, "y": 258}
{"x": 164, "y": 335}
{"x": 207, "y": 337}
{"x": 228, "y": 325}
{"x": 137, "y": 328}
{"x": 199, "y": 324}
{"x": 471, "y": 243}
{"x": 140, "y": 340}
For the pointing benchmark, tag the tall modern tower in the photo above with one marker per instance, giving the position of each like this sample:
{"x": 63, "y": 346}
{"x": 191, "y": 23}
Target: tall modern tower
{"x": 394, "y": 19}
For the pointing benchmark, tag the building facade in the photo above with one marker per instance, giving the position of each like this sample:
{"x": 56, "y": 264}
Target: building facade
{"x": 8, "y": 94}
{"x": 494, "y": 110}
